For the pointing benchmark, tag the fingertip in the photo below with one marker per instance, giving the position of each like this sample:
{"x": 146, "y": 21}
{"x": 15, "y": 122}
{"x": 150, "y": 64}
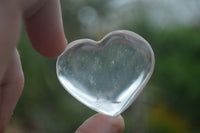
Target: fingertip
{"x": 118, "y": 122}
{"x": 51, "y": 50}
{"x": 46, "y": 31}
{"x": 100, "y": 123}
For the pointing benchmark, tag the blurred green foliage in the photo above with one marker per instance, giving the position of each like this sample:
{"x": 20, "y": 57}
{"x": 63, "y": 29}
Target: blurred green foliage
{"x": 168, "y": 104}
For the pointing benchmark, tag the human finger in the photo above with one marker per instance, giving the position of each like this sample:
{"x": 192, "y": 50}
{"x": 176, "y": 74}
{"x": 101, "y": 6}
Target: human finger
{"x": 10, "y": 25}
{"x": 102, "y": 124}
{"x": 10, "y": 89}
{"x": 45, "y": 29}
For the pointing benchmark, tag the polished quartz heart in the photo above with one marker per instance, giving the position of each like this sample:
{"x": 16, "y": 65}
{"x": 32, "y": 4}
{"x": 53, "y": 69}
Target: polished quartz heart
{"x": 106, "y": 75}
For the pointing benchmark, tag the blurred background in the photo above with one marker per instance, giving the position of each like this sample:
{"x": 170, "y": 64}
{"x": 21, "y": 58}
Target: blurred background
{"x": 170, "y": 101}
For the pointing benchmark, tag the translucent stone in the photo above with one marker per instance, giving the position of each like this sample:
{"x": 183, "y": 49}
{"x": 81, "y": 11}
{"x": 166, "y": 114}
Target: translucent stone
{"x": 106, "y": 75}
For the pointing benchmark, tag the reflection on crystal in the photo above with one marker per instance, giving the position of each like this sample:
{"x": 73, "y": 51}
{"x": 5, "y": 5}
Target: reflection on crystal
{"x": 107, "y": 75}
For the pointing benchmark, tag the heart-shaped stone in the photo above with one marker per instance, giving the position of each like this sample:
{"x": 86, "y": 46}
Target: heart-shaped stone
{"x": 106, "y": 75}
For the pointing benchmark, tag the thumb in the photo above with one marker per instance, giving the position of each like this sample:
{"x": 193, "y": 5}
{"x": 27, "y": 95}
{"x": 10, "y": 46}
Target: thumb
{"x": 102, "y": 124}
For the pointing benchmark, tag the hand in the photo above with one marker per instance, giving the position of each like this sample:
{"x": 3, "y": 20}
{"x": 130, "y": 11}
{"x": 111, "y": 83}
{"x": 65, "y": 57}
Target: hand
{"x": 43, "y": 22}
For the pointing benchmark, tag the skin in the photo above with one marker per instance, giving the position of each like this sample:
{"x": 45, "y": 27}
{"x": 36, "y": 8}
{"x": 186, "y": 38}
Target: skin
{"x": 43, "y": 22}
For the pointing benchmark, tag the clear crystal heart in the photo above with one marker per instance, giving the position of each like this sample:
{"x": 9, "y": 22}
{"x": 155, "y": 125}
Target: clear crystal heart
{"x": 106, "y": 75}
